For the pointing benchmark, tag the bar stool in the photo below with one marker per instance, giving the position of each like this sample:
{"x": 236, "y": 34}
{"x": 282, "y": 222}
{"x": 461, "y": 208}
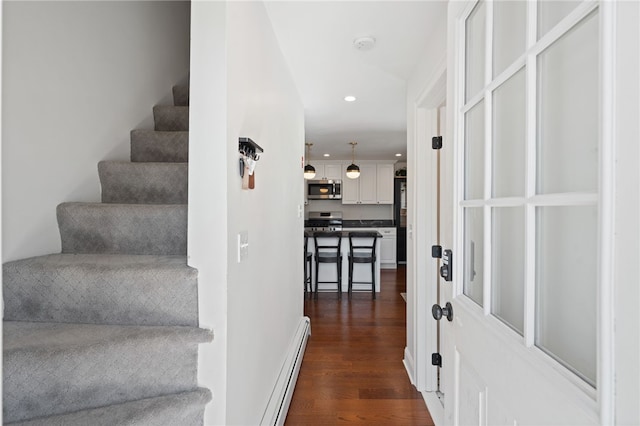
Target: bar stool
{"x": 362, "y": 249}
{"x": 308, "y": 267}
{"x": 328, "y": 251}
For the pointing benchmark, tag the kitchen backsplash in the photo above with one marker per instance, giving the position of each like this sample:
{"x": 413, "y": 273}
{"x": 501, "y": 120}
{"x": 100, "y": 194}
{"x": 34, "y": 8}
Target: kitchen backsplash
{"x": 352, "y": 211}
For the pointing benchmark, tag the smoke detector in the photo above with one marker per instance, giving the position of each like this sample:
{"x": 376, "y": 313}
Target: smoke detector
{"x": 364, "y": 43}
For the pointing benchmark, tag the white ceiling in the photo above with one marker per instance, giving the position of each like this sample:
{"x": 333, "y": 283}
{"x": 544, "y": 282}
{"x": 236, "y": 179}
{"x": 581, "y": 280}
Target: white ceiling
{"x": 317, "y": 37}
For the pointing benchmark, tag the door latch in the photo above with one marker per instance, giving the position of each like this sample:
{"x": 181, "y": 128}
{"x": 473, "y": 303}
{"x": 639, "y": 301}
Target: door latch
{"x": 438, "y": 312}
{"x": 446, "y": 270}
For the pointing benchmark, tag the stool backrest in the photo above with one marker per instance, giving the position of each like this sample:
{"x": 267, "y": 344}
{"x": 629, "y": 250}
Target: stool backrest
{"x": 363, "y": 242}
{"x": 327, "y": 243}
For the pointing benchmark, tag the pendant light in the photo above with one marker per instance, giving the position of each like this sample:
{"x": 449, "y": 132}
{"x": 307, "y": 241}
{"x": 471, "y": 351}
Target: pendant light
{"x": 353, "y": 171}
{"x": 309, "y": 170}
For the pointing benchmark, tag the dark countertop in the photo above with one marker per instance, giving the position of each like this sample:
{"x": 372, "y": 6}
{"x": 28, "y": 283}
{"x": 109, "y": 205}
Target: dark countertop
{"x": 368, "y": 223}
{"x": 345, "y": 234}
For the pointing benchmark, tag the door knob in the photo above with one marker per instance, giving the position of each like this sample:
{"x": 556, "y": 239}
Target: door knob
{"x": 438, "y": 312}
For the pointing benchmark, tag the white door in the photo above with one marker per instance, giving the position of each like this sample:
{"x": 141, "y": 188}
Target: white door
{"x": 524, "y": 97}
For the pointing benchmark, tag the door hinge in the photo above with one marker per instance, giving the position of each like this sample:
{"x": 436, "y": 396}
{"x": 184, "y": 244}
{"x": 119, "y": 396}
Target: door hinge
{"x": 436, "y": 142}
{"x": 436, "y": 359}
{"x": 436, "y": 252}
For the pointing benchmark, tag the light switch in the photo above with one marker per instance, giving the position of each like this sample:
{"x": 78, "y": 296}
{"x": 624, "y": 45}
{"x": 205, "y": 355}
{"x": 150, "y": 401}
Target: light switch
{"x": 243, "y": 246}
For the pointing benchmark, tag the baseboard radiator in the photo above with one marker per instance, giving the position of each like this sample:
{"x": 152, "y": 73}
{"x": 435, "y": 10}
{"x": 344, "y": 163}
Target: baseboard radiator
{"x": 278, "y": 406}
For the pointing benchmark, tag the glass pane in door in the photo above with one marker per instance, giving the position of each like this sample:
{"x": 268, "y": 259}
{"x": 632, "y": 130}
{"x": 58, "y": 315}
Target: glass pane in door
{"x": 568, "y": 116}
{"x": 507, "y": 266}
{"x": 566, "y": 281}
{"x": 474, "y": 254}
{"x": 474, "y": 153}
{"x": 475, "y": 48}
{"x": 509, "y": 137}
{"x": 509, "y": 33}
{"x": 551, "y": 13}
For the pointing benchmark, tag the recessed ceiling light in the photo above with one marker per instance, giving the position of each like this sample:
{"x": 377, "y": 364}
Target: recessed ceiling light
{"x": 349, "y": 98}
{"x": 398, "y": 155}
{"x": 327, "y": 155}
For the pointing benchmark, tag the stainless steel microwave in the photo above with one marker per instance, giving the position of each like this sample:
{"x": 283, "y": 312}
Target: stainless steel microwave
{"x": 324, "y": 189}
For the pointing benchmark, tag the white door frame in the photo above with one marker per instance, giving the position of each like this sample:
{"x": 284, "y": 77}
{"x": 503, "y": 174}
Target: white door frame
{"x": 421, "y": 269}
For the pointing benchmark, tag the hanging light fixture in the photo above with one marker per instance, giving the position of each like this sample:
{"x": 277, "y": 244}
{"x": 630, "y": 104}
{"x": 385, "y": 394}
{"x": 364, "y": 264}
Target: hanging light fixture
{"x": 353, "y": 171}
{"x": 309, "y": 170}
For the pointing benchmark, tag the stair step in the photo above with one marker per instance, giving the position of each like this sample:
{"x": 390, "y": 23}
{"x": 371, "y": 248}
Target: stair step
{"x": 143, "y": 183}
{"x": 184, "y": 409}
{"x": 101, "y": 289}
{"x": 171, "y": 118}
{"x": 153, "y": 146}
{"x": 181, "y": 95}
{"x": 123, "y": 228}
{"x": 52, "y": 368}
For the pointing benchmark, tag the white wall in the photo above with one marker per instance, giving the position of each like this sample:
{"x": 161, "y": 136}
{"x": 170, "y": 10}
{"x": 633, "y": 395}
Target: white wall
{"x": 78, "y": 76}
{"x": 241, "y": 87}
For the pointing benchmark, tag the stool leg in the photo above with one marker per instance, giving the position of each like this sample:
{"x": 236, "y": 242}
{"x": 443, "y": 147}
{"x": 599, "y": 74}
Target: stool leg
{"x": 350, "y": 276}
{"x": 339, "y": 267}
{"x": 373, "y": 279}
{"x": 317, "y": 274}
{"x": 311, "y": 278}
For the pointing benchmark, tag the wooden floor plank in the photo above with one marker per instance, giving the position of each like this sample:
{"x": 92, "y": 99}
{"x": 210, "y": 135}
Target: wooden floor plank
{"x": 352, "y": 371}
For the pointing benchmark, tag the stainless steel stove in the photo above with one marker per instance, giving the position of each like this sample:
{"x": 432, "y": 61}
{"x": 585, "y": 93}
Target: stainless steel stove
{"x": 323, "y": 221}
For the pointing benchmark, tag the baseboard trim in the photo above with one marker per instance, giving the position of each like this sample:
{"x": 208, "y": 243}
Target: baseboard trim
{"x": 435, "y": 407}
{"x": 278, "y": 406}
{"x": 409, "y": 365}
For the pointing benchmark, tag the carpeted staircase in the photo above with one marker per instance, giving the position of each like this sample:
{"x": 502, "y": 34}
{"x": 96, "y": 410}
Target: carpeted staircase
{"x": 106, "y": 333}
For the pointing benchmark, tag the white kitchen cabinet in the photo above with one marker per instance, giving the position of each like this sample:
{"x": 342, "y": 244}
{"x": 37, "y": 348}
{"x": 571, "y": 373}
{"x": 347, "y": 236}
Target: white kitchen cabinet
{"x": 384, "y": 183}
{"x": 362, "y": 190}
{"x": 327, "y": 170}
{"x": 388, "y": 248}
{"x": 333, "y": 171}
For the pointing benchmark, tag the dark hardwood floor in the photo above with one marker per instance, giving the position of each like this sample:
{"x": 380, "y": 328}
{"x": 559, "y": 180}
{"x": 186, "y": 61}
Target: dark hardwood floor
{"x": 352, "y": 370}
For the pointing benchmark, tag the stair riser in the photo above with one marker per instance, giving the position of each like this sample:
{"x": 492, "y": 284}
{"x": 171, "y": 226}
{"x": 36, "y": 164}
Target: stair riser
{"x": 75, "y": 289}
{"x": 144, "y": 183}
{"x": 152, "y": 146}
{"x": 123, "y": 229}
{"x": 44, "y": 383}
{"x": 171, "y": 118}
{"x": 185, "y": 409}
{"x": 181, "y": 95}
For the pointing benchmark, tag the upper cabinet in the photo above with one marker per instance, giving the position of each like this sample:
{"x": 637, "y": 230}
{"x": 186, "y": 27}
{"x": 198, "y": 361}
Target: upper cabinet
{"x": 384, "y": 182}
{"x": 374, "y": 186}
{"x": 330, "y": 171}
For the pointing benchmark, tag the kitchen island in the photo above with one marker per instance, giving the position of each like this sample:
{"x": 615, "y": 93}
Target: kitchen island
{"x": 361, "y": 272}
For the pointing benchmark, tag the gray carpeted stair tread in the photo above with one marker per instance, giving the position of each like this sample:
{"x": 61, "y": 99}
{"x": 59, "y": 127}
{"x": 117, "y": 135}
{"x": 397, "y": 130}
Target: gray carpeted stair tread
{"x": 181, "y": 95}
{"x": 101, "y": 289}
{"x": 171, "y": 118}
{"x": 154, "y": 146}
{"x": 53, "y": 368}
{"x": 184, "y": 409}
{"x": 123, "y": 228}
{"x": 144, "y": 183}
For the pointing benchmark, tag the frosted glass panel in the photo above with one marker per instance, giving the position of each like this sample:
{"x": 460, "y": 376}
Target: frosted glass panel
{"x": 508, "y": 266}
{"x": 509, "y": 33}
{"x": 568, "y": 111}
{"x": 566, "y": 280}
{"x": 474, "y": 153}
{"x": 509, "y": 145}
{"x": 550, "y": 12}
{"x": 474, "y": 253}
{"x": 475, "y": 36}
